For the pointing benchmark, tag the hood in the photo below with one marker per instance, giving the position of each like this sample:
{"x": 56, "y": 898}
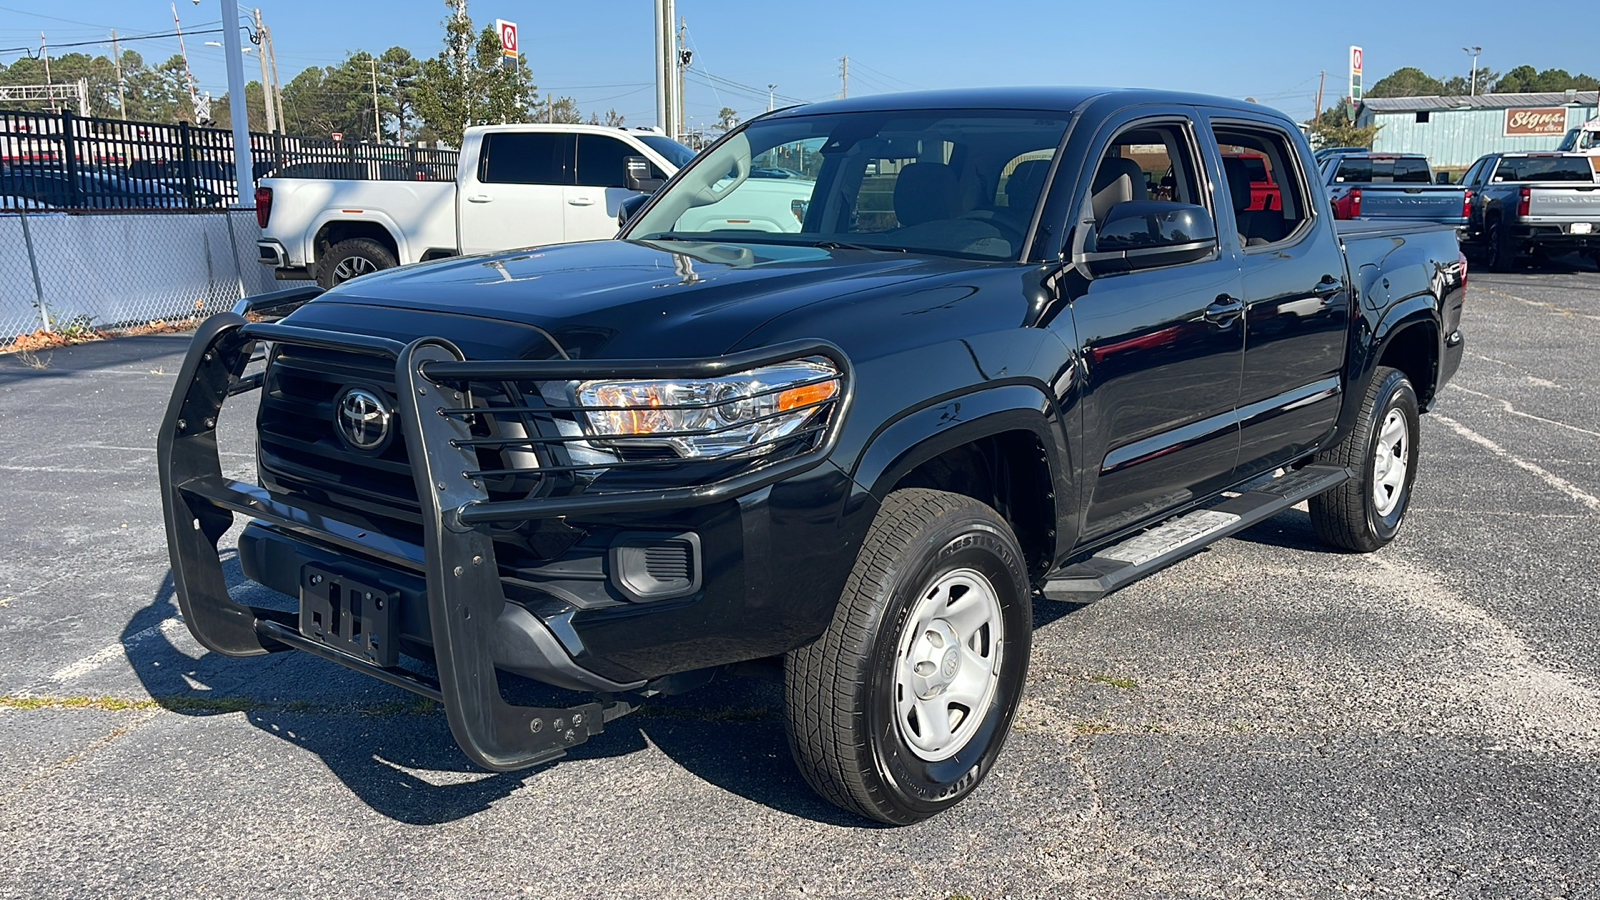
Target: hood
{"x": 607, "y": 299}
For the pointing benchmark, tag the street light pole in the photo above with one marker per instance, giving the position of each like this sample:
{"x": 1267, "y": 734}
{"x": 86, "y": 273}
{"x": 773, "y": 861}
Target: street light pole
{"x": 238, "y": 111}
{"x": 770, "y": 89}
{"x": 1472, "y": 80}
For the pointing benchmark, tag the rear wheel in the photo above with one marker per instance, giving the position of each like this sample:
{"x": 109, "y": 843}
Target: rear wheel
{"x": 900, "y": 709}
{"x": 1365, "y": 513}
{"x": 1502, "y": 253}
{"x": 352, "y": 259}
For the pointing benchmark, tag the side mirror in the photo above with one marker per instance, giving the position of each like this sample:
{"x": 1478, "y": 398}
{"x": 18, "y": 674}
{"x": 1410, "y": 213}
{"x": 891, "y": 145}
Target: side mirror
{"x": 1442, "y": 178}
{"x": 629, "y": 206}
{"x": 1144, "y": 234}
{"x": 636, "y": 175}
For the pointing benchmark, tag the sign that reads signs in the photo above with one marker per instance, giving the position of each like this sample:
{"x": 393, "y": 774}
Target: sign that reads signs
{"x": 1355, "y": 73}
{"x": 508, "y": 36}
{"x": 1551, "y": 120}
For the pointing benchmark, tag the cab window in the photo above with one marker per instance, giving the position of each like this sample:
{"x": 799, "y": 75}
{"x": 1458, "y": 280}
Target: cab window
{"x": 1268, "y": 197}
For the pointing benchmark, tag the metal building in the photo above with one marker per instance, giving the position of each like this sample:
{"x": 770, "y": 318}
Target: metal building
{"x": 1455, "y": 131}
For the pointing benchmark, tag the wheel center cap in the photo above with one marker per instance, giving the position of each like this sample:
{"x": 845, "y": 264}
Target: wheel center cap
{"x": 951, "y": 665}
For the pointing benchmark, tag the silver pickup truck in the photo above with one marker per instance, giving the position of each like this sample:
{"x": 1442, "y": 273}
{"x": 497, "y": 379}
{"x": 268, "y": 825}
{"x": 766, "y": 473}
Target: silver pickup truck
{"x": 1532, "y": 204}
{"x": 1391, "y": 186}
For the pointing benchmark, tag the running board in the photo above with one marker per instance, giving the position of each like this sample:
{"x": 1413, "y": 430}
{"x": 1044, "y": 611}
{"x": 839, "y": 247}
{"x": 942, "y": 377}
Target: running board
{"x": 1149, "y": 551}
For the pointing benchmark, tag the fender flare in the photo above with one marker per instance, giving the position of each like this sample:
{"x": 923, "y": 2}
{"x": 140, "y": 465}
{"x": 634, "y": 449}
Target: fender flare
{"x": 945, "y": 423}
{"x": 373, "y": 217}
{"x": 1412, "y": 312}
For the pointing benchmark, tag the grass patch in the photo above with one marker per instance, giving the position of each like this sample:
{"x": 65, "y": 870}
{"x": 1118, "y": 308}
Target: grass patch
{"x": 113, "y": 704}
{"x": 1088, "y": 727}
{"x": 1114, "y": 681}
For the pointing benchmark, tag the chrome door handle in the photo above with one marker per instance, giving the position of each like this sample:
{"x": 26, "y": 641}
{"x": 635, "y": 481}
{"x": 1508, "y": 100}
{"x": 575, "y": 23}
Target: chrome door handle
{"x": 480, "y": 198}
{"x": 1224, "y": 310}
{"x": 1327, "y": 287}
{"x": 581, "y": 201}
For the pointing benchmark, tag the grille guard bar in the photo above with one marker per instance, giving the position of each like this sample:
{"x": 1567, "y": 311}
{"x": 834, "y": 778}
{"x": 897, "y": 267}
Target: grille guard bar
{"x": 465, "y": 595}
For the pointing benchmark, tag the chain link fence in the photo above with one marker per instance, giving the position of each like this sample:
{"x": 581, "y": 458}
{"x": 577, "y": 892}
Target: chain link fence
{"x": 78, "y": 272}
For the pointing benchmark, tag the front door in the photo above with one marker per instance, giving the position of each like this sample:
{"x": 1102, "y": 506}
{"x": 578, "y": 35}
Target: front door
{"x": 593, "y": 202}
{"x": 1297, "y": 300}
{"x": 1160, "y": 347}
{"x": 516, "y": 195}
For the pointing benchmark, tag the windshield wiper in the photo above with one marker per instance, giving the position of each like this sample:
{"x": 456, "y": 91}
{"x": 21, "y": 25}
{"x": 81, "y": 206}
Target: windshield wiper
{"x": 844, "y": 245}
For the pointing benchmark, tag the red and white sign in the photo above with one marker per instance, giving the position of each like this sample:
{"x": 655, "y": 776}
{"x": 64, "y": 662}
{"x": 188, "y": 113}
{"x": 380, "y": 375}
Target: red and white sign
{"x": 338, "y": 135}
{"x": 508, "y": 36}
{"x": 1540, "y": 121}
{"x": 1355, "y": 73}
{"x": 1355, "y": 60}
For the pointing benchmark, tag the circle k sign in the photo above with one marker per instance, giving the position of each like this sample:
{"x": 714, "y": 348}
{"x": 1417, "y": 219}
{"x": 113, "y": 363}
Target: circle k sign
{"x": 508, "y": 36}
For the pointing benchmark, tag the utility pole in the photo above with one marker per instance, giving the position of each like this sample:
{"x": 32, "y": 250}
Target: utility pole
{"x": 683, "y": 58}
{"x": 116, "y": 60}
{"x": 272, "y": 63}
{"x": 844, "y": 76}
{"x": 770, "y": 89}
{"x": 260, "y": 40}
{"x": 1320, "y": 80}
{"x": 377, "y": 124}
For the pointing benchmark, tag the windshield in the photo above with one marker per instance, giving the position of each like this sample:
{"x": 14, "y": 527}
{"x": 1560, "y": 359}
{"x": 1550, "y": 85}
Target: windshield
{"x": 674, "y": 152}
{"x": 957, "y": 183}
{"x": 1544, "y": 168}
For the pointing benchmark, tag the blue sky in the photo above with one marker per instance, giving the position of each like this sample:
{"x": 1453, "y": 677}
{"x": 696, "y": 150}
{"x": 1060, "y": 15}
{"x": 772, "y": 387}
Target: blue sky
{"x": 600, "y": 52}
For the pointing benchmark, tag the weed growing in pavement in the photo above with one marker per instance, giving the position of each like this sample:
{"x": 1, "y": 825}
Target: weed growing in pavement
{"x": 1114, "y": 681}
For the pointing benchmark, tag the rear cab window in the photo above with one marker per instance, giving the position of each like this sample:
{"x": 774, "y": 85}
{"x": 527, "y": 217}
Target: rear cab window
{"x": 1266, "y": 212}
{"x": 1543, "y": 168}
{"x": 510, "y": 157}
{"x": 1383, "y": 170}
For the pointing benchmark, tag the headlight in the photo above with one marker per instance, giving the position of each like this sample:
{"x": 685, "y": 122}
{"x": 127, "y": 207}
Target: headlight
{"x": 711, "y": 417}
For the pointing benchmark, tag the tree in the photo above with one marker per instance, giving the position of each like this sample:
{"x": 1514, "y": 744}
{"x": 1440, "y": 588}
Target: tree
{"x": 727, "y": 118}
{"x": 1406, "y": 82}
{"x": 399, "y": 75}
{"x": 1524, "y": 79}
{"x": 1336, "y": 127}
{"x": 560, "y": 110}
{"x": 466, "y": 84}
{"x": 612, "y": 118}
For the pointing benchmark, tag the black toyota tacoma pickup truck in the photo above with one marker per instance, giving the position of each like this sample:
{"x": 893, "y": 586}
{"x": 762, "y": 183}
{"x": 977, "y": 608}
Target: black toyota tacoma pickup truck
{"x": 1018, "y": 346}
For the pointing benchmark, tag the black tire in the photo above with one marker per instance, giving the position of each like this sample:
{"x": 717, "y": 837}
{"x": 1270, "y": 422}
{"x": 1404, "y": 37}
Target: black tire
{"x": 1499, "y": 250}
{"x": 351, "y": 259}
{"x": 841, "y": 691}
{"x": 1350, "y": 516}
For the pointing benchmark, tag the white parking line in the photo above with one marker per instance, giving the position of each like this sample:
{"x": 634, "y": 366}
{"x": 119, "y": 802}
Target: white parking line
{"x": 1506, "y": 405}
{"x": 167, "y": 627}
{"x": 1556, "y": 481}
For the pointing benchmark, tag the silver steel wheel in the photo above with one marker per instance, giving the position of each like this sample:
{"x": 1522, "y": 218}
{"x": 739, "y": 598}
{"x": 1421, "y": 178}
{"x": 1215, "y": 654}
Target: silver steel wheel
{"x": 1390, "y": 462}
{"x": 948, "y": 667}
{"x": 350, "y": 267}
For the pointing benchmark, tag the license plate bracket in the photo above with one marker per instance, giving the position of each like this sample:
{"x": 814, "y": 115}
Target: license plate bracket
{"x": 349, "y": 615}
{"x": 1581, "y": 227}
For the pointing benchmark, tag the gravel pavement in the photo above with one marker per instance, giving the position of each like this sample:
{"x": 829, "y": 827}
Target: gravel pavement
{"x": 1267, "y": 719}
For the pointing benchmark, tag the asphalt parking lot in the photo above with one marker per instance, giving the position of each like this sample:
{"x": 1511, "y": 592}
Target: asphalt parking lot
{"x": 1268, "y": 719}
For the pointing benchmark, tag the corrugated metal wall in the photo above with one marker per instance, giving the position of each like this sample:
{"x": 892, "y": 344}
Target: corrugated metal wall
{"x": 1457, "y": 137}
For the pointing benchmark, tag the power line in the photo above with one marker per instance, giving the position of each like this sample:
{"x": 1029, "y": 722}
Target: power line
{"x": 884, "y": 74}
{"x": 121, "y": 40}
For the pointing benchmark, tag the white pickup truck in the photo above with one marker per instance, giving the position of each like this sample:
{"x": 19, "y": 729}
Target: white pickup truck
{"x": 515, "y": 186}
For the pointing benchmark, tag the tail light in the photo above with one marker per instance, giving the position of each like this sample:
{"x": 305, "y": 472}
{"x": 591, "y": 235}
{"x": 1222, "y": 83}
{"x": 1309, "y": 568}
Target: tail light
{"x": 1524, "y": 200}
{"x": 1348, "y": 206}
{"x": 1461, "y": 260}
{"x": 1466, "y": 205}
{"x": 263, "y": 205}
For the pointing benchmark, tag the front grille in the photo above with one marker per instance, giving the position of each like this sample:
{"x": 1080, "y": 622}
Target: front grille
{"x": 300, "y": 448}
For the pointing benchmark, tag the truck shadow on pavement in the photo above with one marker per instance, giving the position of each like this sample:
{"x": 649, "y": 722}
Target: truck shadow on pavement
{"x": 394, "y": 751}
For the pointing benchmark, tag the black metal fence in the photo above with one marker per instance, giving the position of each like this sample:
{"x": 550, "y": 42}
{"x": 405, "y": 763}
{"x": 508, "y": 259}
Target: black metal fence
{"x": 62, "y": 161}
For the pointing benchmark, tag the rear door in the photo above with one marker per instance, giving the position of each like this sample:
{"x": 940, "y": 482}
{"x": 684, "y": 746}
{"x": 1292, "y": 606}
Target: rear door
{"x": 1297, "y": 300}
{"x": 593, "y": 202}
{"x": 1161, "y": 347}
{"x": 515, "y": 197}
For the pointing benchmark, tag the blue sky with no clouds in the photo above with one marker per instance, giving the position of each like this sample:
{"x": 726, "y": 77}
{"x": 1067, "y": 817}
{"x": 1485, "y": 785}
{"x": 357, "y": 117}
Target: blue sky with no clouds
{"x": 600, "y": 52}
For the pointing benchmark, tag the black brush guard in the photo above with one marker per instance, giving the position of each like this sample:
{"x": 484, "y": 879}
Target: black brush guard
{"x": 465, "y": 595}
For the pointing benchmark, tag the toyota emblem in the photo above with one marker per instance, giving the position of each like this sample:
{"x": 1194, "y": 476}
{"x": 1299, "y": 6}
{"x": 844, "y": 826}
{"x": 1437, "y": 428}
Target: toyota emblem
{"x": 362, "y": 418}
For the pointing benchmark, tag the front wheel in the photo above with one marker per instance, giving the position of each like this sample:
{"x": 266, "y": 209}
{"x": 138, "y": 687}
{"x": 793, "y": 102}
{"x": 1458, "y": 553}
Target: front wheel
{"x": 900, "y": 709}
{"x": 1365, "y": 513}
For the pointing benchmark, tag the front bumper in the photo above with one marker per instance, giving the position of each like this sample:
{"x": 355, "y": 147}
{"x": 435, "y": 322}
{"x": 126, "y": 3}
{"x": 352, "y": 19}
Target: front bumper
{"x": 465, "y": 599}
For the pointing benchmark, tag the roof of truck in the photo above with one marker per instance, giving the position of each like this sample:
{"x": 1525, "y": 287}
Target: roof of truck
{"x": 1052, "y": 99}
